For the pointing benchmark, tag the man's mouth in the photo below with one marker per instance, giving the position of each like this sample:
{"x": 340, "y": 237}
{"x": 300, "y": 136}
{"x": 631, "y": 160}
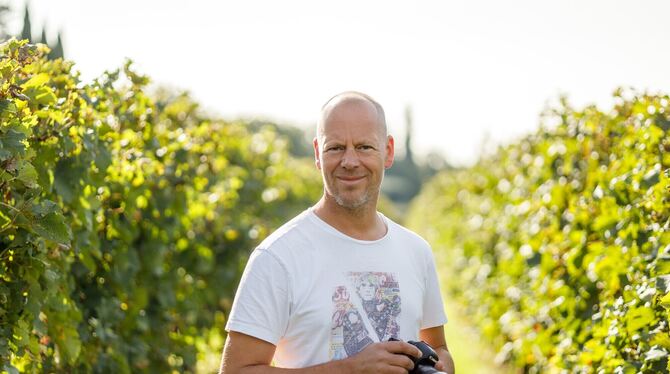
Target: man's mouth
{"x": 350, "y": 178}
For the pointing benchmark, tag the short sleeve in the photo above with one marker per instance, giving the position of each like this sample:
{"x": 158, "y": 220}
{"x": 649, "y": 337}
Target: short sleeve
{"x": 433, "y": 307}
{"x": 261, "y": 305}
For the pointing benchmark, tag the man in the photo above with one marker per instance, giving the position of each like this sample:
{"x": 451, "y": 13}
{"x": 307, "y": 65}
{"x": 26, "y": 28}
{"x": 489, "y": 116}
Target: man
{"x": 326, "y": 291}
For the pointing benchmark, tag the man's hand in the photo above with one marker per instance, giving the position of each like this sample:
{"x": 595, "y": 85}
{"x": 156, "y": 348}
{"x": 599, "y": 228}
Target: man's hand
{"x": 244, "y": 354}
{"x": 434, "y": 336}
{"x": 446, "y": 363}
{"x": 385, "y": 357}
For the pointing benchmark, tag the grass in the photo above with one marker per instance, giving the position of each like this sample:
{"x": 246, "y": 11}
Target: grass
{"x": 471, "y": 353}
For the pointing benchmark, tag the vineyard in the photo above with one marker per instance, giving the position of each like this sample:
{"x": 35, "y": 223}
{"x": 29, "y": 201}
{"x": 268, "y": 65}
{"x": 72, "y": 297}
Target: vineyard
{"x": 127, "y": 216}
{"x": 558, "y": 246}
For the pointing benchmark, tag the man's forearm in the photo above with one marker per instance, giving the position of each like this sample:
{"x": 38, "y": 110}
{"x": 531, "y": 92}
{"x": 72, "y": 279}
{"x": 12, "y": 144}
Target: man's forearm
{"x": 447, "y": 360}
{"x": 335, "y": 367}
{"x": 380, "y": 357}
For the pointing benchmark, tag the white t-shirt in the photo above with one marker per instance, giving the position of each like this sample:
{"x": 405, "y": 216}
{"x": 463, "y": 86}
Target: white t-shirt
{"x": 320, "y": 295}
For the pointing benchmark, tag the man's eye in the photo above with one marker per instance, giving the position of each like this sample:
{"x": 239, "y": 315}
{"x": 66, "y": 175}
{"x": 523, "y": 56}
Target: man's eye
{"x": 365, "y": 147}
{"x": 335, "y": 148}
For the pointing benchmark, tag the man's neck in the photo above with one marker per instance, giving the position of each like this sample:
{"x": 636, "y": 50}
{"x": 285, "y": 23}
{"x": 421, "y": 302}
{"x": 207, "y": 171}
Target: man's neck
{"x": 362, "y": 223}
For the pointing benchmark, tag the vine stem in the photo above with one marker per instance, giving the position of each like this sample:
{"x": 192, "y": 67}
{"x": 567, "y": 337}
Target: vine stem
{"x": 8, "y": 224}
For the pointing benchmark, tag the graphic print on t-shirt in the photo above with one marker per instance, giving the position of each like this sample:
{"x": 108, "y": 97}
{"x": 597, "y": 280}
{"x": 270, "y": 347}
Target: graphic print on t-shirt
{"x": 369, "y": 301}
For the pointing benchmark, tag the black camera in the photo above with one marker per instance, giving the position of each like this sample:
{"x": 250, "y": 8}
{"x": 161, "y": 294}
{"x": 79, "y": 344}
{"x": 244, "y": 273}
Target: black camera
{"x": 426, "y": 363}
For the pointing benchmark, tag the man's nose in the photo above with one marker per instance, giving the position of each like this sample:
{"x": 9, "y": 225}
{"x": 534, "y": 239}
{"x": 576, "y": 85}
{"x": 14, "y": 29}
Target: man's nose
{"x": 350, "y": 158}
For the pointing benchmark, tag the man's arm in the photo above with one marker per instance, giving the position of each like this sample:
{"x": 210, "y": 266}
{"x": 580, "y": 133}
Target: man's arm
{"x": 244, "y": 354}
{"x": 434, "y": 336}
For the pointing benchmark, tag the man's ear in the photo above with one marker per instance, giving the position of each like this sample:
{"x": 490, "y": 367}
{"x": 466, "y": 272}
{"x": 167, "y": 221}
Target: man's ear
{"x": 317, "y": 155}
{"x": 390, "y": 152}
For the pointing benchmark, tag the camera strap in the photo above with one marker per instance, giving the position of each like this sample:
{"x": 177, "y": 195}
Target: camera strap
{"x": 356, "y": 301}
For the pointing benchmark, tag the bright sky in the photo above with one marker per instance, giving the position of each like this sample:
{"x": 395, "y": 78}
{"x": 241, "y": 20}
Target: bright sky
{"x": 469, "y": 69}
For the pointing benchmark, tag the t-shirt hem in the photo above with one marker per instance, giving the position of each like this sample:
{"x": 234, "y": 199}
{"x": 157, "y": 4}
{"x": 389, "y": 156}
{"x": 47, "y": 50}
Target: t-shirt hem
{"x": 252, "y": 330}
{"x": 435, "y": 324}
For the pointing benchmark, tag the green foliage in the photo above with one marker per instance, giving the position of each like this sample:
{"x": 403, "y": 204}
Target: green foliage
{"x": 559, "y": 245}
{"x": 299, "y": 140}
{"x": 125, "y": 220}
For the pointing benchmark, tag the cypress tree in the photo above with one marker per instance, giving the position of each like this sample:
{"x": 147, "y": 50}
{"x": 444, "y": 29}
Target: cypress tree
{"x": 26, "y": 33}
{"x": 57, "y": 50}
{"x": 43, "y": 38}
{"x": 4, "y": 11}
{"x": 408, "y": 135}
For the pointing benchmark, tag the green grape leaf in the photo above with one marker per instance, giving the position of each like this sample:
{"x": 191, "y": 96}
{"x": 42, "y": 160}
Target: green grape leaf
{"x": 67, "y": 175}
{"x": 36, "y": 80}
{"x": 7, "y": 107}
{"x": 70, "y": 345}
{"x": 661, "y": 339}
{"x": 28, "y": 174}
{"x": 638, "y": 318}
{"x": 52, "y": 226}
{"x": 103, "y": 158}
{"x": 43, "y": 95}
{"x": 44, "y": 207}
{"x": 11, "y": 144}
{"x": 665, "y": 301}
{"x": 663, "y": 265}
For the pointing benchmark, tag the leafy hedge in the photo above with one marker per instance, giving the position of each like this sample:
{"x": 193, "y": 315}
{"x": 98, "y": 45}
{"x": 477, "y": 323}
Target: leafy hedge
{"x": 125, "y": 219}
{"x": 558, "y": 246}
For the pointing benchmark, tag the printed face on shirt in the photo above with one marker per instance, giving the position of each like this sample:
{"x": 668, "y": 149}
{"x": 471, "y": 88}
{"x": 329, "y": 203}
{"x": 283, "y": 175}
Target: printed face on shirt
{"x": 366, "y": 290}
{"x": 371, "y": 311}
{"x": 352, "y": 152}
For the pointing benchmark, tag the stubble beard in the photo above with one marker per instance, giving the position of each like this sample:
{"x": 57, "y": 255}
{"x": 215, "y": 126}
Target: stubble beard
{"x": 356, "y": 204}
{"x": 352, "y": 205}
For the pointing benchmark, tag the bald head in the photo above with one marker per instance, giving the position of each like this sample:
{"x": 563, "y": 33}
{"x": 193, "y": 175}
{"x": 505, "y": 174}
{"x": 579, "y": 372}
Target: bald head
{"x": 352, "y": 149}
{"x": 351, "y": 98}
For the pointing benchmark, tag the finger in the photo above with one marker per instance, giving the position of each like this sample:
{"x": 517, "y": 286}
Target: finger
{"x": 395, "y": 370}
{"x": 439, "y": 366}
{"x": 403, "y": 348}
{"x": 401, "y": 360}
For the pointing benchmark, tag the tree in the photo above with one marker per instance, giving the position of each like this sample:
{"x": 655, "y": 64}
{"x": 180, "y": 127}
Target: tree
{"x": 57, "y": 50}
{"x": 26, "y": 33}
{"x": 403, "y": 181}
{"x": 408, "y": 135}
{"x": 43, "y": 38}
{"x": 4, "y": 11}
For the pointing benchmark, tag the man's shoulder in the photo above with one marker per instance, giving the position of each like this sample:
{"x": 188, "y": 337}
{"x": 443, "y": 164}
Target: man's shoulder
{"x": 410, "y": 240}
{"x": 289, "y": 234}
{"x": 406, "y": 234}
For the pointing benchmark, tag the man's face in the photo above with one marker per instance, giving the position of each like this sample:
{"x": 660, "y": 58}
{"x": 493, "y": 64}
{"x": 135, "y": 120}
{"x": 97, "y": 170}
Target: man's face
{"x": 352, "y": 152}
